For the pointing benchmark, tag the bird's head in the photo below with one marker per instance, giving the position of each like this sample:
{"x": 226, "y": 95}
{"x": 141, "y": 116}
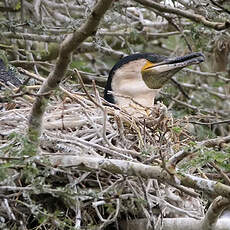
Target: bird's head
{"x": 156, "y": 72}
{"x": 139, "y": 77}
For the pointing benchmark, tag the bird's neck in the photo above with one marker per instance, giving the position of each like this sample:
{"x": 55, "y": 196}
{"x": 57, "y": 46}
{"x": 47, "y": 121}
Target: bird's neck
{"x": 129, "y": 89}
{"x": 138, "y": 104}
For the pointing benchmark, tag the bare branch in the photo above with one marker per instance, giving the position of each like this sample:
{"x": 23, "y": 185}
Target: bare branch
{"x": 138, "y": 169}
{"x": 220, "y": 171}
{"x": 68, "y": 45}
{"x": 179, "y": 223}
{"x": 214, "y": 211}
{"x": 215, "y": 142}
{"x": 32, "y": 37}
{"x": 194, "y": 17}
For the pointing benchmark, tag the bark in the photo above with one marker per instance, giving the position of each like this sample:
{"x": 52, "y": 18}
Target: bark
{"x": 71, "y": 42}
{"x": 174, "y": 224}
{"x": 213, "y": 213}
{"x": 145, "y": 171}
{"x": 194, "y": 17}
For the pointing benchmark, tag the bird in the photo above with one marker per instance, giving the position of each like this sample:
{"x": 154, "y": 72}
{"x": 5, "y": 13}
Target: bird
{"x": 7, "y": 75}
{"x": 135, "y": 80}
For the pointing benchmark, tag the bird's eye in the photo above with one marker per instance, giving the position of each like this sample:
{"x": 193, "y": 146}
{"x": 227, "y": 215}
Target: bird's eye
{"x": 147, "y": 65}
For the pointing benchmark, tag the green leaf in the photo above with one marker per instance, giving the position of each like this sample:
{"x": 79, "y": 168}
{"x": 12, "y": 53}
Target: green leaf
{"x": 177, "y": 129}
{"x": 18, "y": 6}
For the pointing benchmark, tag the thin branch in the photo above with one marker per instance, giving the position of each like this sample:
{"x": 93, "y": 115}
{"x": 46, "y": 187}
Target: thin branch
{"x": 207, "y": 74}
{"x": 221, "y": 7}
{"x": 221, "y": 172}
{"x": 194, "y": 17}
{"x": 215, "y": 141}
{"x": 11, "y": 97}
{"x": 32, "y": 37}
{"x": 179, "y": 156}
{"x": 196, "y": 109}
{"x": 210, "y": 123}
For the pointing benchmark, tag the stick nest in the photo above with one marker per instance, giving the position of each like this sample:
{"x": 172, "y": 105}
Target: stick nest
{"x": 80, "y": 124}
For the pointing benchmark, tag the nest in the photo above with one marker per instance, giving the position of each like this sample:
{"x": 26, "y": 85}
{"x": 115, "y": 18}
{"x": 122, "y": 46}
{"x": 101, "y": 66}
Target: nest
{"x": 79, "y": 124}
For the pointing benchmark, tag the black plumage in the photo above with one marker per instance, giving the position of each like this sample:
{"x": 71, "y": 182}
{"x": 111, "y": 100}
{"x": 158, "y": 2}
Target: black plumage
{"x": 8, "y": 75}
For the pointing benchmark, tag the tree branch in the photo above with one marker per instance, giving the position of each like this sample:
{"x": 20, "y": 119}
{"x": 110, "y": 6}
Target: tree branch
{"x": 32, "y": 37}
{"x": 176, "y": 223}
{"x": 71, "y": 42}
{"x": 138, "y": 169}
{"x": 215, "y": 141}
{"x": 194, "y": 17}
{"x": 213, "y": 213}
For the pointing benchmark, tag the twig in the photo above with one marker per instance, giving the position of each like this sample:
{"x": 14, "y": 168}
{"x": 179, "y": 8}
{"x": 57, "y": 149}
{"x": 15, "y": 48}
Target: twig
{"x": 86, "y": 92}
{"x": 32, "y": 75}
{"x": 221, "y": 7}
{"x": 215, "y": 141}
{"x": 206, "y": 74}
{"x": 179, "y": 156}
{"x": 178, "y": 85}
{"x": 192, "y": 106}
{"x": 10, "y": 97}
{"x": 194, "y": 17}
{"x": 8, "y": 210}
{"x": 149, "y": 204}
{"x": 219, "y": 170}
{"x": 210, "y": 123}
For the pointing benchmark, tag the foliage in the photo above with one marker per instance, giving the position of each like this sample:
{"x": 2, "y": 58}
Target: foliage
{"x": 38, "y": 195}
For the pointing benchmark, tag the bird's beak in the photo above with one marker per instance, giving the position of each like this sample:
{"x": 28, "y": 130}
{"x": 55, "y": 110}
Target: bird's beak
{"x": 155, "y": 75}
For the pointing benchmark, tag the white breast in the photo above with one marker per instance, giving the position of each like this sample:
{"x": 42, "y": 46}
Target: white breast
{"x": 128, "y": 82}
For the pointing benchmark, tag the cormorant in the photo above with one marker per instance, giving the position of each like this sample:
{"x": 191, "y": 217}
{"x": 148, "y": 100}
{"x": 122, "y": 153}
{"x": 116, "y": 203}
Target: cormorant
{"x": 136, "y": 79}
